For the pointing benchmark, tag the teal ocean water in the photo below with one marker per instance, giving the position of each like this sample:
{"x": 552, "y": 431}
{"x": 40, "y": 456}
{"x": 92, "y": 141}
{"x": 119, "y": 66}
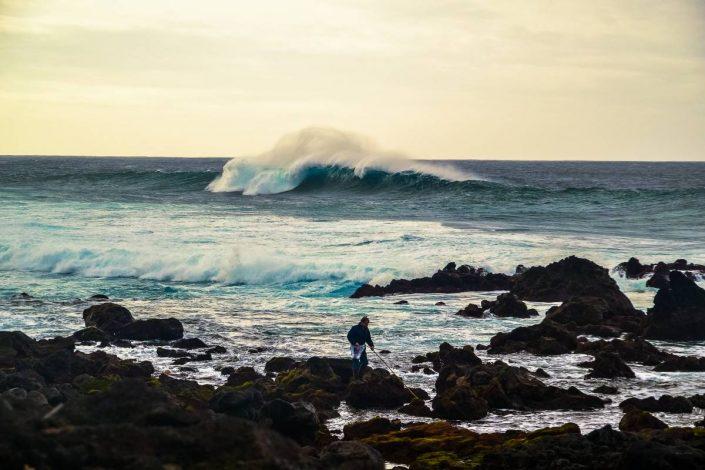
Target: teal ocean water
{"x": 266, "y": 255}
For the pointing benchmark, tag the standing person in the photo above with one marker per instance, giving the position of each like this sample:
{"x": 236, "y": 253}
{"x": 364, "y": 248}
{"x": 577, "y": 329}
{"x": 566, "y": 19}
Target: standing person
{"x": 359, "y": 336}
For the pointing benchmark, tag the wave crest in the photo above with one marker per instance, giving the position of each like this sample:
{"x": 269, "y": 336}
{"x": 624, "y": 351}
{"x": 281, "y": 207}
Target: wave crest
{"x": 317, "y": 154}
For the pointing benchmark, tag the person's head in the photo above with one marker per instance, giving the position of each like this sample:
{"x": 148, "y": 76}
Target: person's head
{"x": 365, "y": 321}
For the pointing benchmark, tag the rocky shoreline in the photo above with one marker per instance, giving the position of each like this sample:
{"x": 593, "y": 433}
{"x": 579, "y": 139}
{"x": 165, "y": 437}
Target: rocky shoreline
{"x": 64, "y": 408}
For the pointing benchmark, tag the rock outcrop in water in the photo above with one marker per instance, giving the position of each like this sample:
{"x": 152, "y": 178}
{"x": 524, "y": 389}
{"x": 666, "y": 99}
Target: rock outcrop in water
{"x": 509, "y": 305}
{"x": 115, "y": 321}
{"x": 634, "y": 269}
{"x": 468, "y": 392}
{"x": 544, "y": 339}
{"x": 678, "y": 312}
{"x": 448, "y": 280}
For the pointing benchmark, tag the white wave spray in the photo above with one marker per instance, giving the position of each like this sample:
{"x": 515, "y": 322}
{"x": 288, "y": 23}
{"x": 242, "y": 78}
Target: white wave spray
{"x": 283, "y": 168}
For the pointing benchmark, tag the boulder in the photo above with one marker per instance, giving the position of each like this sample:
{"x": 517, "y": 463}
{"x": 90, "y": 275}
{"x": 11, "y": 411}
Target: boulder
{"x": 164, "y": 329}
{"x": 509, "y": 305}
{"x": 279, "y": 364}
{"x": 377, "y": 389}
{"x": 471, "y": 310}
{"x": 108, "y": 317}
{"x": 679, "y": 311}
{"x": 606, "y": 390}
{"x": 168, "y": 352}
{"x": 448, "y": 354}
{"x": 682, "y": 364}
{"x": 629, "y": 350}
{"x": 189, "y": 343}
{"x": 417, "y": 407}
{"x": 544, "y": 339}
{"x": 361, "y": 429}
{"x": 665, "y": 404}
{"x": 351, "y": 455}
{"x": 91, "y": 334}
{"x": 607, "y": 365}
{"x": 636, "y": 420}
{"x": 298, "y": 420}
{"x": 245, "y": 403}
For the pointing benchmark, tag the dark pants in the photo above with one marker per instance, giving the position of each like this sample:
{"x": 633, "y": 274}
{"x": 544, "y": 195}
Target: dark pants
{"x": 359, "y": 364}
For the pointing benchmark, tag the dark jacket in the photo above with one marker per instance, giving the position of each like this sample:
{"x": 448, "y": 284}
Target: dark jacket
{"x": 360, "y": 335}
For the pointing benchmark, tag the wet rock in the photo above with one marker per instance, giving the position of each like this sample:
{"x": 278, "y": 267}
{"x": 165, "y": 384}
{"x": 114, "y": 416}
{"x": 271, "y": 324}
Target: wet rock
{"x": 316, "y": 381}
{"x": 108, "y": 317}
{"x": 568, "y": 278}
{"x": 298, "y": 420}
{"x": 606, "y": 390}
{"x": 682, "y": 364}
{"x": 385, "y": 351}
{"x": 698, "y": 400}
{"x": 167, "y": 352}
{"x": 245, "y": 403}
{"x": 377, "y": 389}
{"x": 165, "y": 329}
{"x": 91, "y": 334}
{"x": 448, "y": 280}
{"x": 242, "y": 375}
{"x": 448, "y": 354}
{"x": 544, "y": 339}
{"x": 595, "y": 316}
{"x": 665, "y": 403}
{"x": 630, "y": 350}
{"x": 189, "y": 343}
{"x": 541, "y": 373}
{"x": 279, "y": 364}
{"x": 440, "y": 304}
{"x": 22, "y": 296}
{"x": 361, "y": 429}
{"x": 465, "y": 392}
{"x": 607, "y": 365}
{"x": 401, "y": 302}
{"x": 678, "y": 312}
{"x": 471, "y": 310}
{"x": 351, "y": 455}
{"x": 636, "y": 420}
{"x": 216, "y": 350}
{"x": 416, "y": 407}
{"x": 509, "y": 305}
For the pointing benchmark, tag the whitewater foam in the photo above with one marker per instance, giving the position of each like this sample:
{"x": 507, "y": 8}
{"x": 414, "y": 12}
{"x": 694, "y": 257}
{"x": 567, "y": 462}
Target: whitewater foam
{"x": 288, "y": 164}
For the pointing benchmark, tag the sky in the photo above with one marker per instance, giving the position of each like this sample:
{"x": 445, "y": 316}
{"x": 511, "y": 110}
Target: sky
{"x": 558, "y": 80}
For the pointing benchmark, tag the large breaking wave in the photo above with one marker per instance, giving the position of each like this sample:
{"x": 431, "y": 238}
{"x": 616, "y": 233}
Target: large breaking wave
{"x": 316, "y": 157}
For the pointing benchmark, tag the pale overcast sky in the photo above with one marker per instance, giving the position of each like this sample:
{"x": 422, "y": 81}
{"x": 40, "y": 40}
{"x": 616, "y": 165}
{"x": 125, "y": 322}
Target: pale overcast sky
{"x": 593, "y": 79}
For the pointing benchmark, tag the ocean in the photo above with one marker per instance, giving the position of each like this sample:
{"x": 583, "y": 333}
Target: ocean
{"x": 251, "y": 255}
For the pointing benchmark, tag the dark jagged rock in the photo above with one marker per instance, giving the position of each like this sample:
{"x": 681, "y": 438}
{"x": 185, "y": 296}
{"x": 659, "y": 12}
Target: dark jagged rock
{"x": 466, "y": 392}
{"x": 242, "y": 375}
{"x": 416, "y": 407}
{"x": 607, "y": 365}
{"x": 665, "y": 403}
{"x": 594, "y": 316}
{"x": 316, "y": 381}
{"x": 245, "y": 403}
{"x": 189, "y": 343}
{"x": 447, "y": 355}
{"x": 298, "y": 421}
{"x": 376, "y": 425}
{"x": 682, "y": 364}
{"x": 216, "y": 350}
{"x": 633, "y": 269}
{"x": 471, "y": 310}
{"x": 637, "y": 420}
{"x": 351, "y": 455}
{"x": 91, "y": 334}
{"x": 541, "y": 373}
{"x": 165, "y": 329}
{"x": 509, "y": 305}
{"x": 568, "y": 278}
{"x": 401, "y": 302}
{"x": 377, "y": 389}
{"x": 108, "y": 317}
{"x": 448, "y": 280}
{"x": 678, "y": 312}
{"x": 544, "y": 339}
{"x": 630, "y": 350}
{"x": 606, "y": 390}
{"x": 167, "y": 352}
{"x": 279, "y": 364}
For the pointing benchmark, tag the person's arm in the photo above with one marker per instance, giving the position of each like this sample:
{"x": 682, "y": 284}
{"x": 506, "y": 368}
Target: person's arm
{"x": 368, "y": 339}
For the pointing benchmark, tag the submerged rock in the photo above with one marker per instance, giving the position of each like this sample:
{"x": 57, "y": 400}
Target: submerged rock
{"x": 678, "y": 312}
